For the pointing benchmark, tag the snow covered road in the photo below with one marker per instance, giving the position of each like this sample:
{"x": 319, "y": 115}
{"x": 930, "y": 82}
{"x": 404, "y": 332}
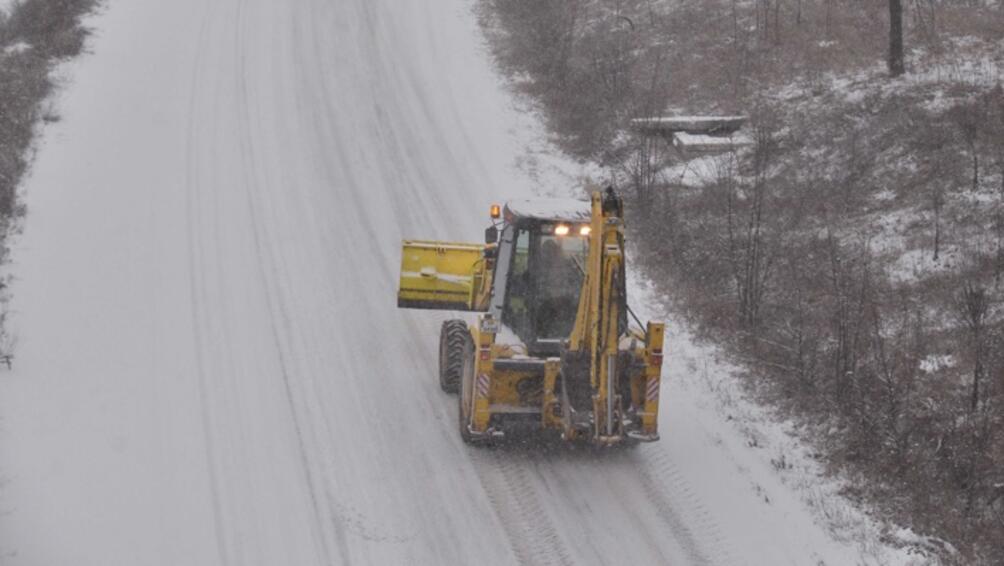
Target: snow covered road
{"x": 211, "y": 368}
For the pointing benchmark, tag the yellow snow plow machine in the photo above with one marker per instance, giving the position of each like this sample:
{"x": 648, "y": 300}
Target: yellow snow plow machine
{"x": 552, "y": 348}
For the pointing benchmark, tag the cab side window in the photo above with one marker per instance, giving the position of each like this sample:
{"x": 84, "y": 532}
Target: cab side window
{"x": 517, "y": 303}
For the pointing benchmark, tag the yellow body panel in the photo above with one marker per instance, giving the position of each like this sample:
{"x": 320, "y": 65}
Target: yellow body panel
{"x": 653, "y": 377}
{"x": 483, "y": 370}
{"x": 550, "y": 416}
{"x": 443, "y": 275}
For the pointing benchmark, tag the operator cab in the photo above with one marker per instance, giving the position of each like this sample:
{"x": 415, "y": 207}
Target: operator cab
{"x": 540, "y": 268}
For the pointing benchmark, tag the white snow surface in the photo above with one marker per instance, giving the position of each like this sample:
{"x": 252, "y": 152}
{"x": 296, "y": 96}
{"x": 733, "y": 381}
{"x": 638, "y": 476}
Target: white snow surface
{"x": 211, "y": 369}
{"x": 702, "y": 142}
{"x": 703, "y": 170}
{"x": 551, "y": 208}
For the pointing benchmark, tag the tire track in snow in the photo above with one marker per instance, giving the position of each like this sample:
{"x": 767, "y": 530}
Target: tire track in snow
{"x": 200, "y": 263}
{"x": 275, "y": 304}
{"x": 669, "y": 495}
{"x": 196, "y": 256}
{"x": 529, "y": 530}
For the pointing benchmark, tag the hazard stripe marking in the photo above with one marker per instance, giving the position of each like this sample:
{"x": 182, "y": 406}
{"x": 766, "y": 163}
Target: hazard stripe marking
{"x": 483, "y": 385}
{"x": 652, "y": 392}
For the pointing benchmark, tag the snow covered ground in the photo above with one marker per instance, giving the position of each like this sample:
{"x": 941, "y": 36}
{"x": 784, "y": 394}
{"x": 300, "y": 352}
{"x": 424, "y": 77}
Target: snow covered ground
{"x": 211, "y": 368}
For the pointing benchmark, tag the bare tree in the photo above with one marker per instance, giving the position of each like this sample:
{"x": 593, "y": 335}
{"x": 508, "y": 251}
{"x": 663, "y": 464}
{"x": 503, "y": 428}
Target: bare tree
{"x": 645, "y": 157}
{"x": 937, "y": 197}
{"x": 850, "y": 296}
{"x": 751, "y": 256}
{"x": 895, "y": 61}
{"x": 972, "y": 306}
{"x": 995, "y": 133}
{"x": 970, "y": 120}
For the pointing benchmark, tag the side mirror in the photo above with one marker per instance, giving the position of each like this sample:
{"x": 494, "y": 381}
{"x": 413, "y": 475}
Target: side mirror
{"x": 491, "y": 235}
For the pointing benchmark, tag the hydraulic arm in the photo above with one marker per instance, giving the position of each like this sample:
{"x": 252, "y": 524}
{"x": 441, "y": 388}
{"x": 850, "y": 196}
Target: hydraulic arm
{"x": 597, "y": 323}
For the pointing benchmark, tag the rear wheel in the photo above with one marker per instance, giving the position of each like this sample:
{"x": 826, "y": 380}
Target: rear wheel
{"x": 466, "y": 397}
{"x": 452, "y": 337}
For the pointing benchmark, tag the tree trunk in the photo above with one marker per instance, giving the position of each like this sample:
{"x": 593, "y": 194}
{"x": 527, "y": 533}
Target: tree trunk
{"x": 896, "y": 67}
{"x": 937, "y": 231}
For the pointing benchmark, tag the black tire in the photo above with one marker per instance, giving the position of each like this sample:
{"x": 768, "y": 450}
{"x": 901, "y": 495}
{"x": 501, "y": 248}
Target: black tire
{"x": 466, "y": 396}
{"x": 453, "y": 337}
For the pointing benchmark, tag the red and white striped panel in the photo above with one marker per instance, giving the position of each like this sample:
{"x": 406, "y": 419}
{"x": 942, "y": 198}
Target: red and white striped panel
{"x": 483, "y": 385}
{"x": 652, "y": 390}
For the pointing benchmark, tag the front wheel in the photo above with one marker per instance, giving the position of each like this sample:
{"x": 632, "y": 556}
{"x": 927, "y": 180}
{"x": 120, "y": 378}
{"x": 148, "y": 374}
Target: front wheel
{"x": 453, "y": 335}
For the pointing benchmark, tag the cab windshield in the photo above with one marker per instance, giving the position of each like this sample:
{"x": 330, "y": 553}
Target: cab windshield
{"x": 544, "y": 283}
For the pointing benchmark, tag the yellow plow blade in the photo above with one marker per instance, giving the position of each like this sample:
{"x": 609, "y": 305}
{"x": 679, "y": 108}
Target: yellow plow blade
{"x": 441, "y": 275}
